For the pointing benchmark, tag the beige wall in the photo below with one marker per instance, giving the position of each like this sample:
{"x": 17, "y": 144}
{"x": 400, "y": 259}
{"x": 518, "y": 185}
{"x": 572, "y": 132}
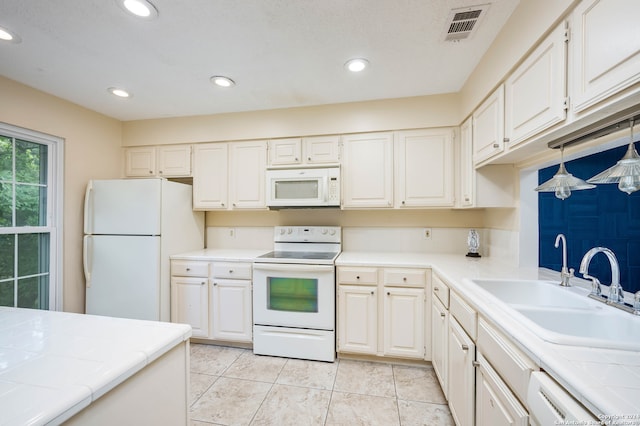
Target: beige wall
{"x": 393, "y": 114}
{"x": 92, "y": 150}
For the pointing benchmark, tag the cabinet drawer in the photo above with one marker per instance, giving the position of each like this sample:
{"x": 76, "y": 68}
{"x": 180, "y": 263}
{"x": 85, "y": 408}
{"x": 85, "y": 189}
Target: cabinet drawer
{"x": 441, "y": 290}
{"x": 404, "y": 277}
{"x": 466, "y": 316}
{"x": 357, "y": 275}
{"x": 511, "y": 363}
{"x": 187, "y": 268}
{"x": 231, "y": 270}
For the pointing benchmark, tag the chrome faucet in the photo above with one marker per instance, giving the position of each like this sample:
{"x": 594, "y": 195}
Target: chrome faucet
{"x": 565, "y": 274}
{"x": 616, "y": 294}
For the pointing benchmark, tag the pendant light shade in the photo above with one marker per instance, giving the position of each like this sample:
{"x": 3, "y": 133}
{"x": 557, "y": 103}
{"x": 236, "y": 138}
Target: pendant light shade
{"x": 626, "y": 172}
{"x": 563, "y": 182}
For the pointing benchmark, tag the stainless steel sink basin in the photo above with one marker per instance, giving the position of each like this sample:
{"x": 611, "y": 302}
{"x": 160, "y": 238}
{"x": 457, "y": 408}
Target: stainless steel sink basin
{"x": 565, "y": 315}
{"x": 536, "y": 293}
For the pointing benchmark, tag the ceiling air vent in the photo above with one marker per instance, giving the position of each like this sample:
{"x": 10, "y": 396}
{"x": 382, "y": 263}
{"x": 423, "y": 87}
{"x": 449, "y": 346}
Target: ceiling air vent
{"x": 463, "y": 22}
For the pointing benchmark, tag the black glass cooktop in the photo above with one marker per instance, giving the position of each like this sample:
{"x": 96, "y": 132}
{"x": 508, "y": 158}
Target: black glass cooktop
{"x": 311, "y": 255}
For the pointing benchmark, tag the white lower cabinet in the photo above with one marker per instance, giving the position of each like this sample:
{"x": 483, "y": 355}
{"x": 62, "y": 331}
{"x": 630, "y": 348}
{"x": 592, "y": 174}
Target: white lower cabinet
{"x": 190, "y": 296}
{"x": 357, "y": 319}
{"x": 214, "y": 298}
{"x": 496, "y": 405}
{"x": 381, "y": 311}
{"x": 231, "y": 317}
{"x": 461, "y": 374}
{"x": 440, "y": 343}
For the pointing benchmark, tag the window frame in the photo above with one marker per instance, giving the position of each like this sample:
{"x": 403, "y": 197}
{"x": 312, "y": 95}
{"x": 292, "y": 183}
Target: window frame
{"x": 55, "y": 204}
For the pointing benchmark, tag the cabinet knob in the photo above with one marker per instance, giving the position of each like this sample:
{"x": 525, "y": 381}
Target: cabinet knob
{"x": 150, "y": 172}
{"x": 388, "y": 293}
{"x": 442, "y": 314}
{"x": 357, "y": 277}
{"x": 436, "y": 289}
{"x": 160, "y": 171}
{"x": 308, "y": 158}
{"x": 203, "y": 283}
{"x": 404, "y": 279}
{"x": 466, "y": 198}
{"x": 234, "y": 204}
{"x": 403, "y": 202}
{"x": 464, "y": 347}
{"x": 188, "y": 269}
{"x": 231, "y": 271}
{"x": 372, "y": 292}
{"x": 215, "y": 283}
{"x": 496, "y": 145}
{"x": 296, "y": 159}
{"x": 222, "y": 204}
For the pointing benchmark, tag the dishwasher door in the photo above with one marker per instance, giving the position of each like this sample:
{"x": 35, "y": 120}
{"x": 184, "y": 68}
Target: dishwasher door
{"x": 550, "y": 404}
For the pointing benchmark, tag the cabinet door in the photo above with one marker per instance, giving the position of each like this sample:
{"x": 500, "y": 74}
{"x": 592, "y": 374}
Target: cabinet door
{"x": 536, "y": 91}
{"x": 460, "y": 375}
{"x": 189, "y": 304}
{"x": 488, "y": 127}
{"x": 424, "y": 168}
{"x": 231, "y": 317}
{"x": 605, "y": 52}
{"x": 285, "y": 151}
{"x": 210, "y": 181}
{"x": 496, "y": 405}
{"x": 174, "y": 161}
{"x": 140, "y": 162}
{"x": 247, "y": 163}
{"x": 368, "y": 170}
{"x": 321, "y": 149}
{"x": 440, "y": 343}
{"x": 404, "y": 322}
{"x": 467, "y": 170}
{"x": 357, "y": 319}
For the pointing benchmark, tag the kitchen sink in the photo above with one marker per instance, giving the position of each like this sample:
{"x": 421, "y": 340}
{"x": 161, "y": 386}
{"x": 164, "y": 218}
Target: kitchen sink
{"x": 536, "y": 293}
{"x": 565, "y": 315}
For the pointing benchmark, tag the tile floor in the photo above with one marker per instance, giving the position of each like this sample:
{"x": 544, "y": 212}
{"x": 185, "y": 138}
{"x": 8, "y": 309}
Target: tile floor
{"x": 231, "y": 386}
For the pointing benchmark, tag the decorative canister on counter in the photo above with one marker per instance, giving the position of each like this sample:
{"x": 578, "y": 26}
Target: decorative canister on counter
{"x": 473, "y": 241}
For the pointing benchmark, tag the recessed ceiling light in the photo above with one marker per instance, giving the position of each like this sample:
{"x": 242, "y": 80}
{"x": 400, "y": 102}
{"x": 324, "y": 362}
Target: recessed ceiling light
{"x": 121, "y": 93}
{"x": 356, "y": 64}
{"x": 10, "y": 36}
{"x": 140, "y": 8}
{"x": 222, "y": 81}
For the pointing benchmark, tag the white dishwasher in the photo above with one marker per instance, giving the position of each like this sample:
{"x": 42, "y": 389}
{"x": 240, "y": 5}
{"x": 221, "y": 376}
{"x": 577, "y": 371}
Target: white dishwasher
{"x": 550, "y": 404}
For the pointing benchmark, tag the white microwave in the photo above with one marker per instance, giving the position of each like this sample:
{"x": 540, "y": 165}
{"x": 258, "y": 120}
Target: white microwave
{"x": 303, "y": 187}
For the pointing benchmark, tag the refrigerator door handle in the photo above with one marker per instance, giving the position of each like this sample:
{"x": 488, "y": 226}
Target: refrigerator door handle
{"x": 85, "y": 259}
{"x": 88, "y": 227}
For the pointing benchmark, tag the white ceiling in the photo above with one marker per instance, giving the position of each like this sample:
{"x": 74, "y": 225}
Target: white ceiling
{"x": 281, "y": 53}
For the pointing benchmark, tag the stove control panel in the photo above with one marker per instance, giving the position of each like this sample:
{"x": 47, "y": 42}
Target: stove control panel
{"x": 304, "y": 234}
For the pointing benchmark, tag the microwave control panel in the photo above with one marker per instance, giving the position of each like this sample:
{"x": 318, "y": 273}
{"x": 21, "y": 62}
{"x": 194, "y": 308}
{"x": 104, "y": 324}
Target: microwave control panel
{"x": 333, "y": 192}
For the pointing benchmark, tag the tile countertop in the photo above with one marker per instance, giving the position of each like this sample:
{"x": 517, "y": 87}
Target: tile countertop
{"x": 606, "y": 381}
{"x": 54, "y": 364}
{"x": 226, "y": 255}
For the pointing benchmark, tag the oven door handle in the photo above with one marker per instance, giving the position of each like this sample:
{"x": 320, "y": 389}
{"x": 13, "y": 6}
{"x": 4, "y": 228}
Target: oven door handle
{"x": 289, "y": 267}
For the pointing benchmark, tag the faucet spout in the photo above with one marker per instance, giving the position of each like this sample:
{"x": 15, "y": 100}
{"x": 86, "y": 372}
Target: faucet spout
{"x": 565, "y": 273}
{"x": 616, "y": 293}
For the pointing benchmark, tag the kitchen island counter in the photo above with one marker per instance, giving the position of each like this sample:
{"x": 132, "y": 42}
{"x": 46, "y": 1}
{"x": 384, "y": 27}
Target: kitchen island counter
{"x": 57, "y": 367}
{"x": 606, "y": 381}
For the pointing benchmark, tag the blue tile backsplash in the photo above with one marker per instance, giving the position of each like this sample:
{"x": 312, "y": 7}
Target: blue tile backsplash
{"x": 604, "y": 216}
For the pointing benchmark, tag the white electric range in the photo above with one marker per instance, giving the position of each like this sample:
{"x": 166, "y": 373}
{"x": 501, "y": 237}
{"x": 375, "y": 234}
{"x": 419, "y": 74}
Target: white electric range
{"x": 294, "y": 294}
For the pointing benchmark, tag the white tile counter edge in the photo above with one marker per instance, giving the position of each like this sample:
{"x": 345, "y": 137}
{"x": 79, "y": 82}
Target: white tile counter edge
{"x": 105, "y": 351}
{"x": 560, "y": 361}
{"x": 228, "y": 255}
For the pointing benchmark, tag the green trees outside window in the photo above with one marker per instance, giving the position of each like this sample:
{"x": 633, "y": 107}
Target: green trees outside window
{"x": 24, "y": 232}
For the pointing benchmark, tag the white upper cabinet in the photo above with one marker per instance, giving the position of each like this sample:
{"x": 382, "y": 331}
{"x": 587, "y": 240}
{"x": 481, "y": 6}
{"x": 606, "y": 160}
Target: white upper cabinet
{"x": 488, "y": 127}
{"x": 210, "y": 176}
{"x": 367, "y": 170}
{"x": 605, "y": 52}
{"x": 308, "y": 150}
{"x": 247, "y": 164}
{"x": 163, "y": 161}
{"x": 229, "y": 175}
{"x": 535, "y": 93}
{"x": 424, "y": 168}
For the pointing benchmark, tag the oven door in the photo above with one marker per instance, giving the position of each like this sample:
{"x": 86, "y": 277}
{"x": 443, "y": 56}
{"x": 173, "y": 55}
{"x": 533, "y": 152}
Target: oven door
{"x": 294, "y": 295}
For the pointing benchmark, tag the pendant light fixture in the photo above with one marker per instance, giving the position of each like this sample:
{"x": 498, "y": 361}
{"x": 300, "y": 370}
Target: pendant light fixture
{"x": 626, "y": 172}
{"x": 563, "y": 182}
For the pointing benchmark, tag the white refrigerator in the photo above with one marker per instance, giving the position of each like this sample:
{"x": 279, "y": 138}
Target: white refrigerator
{"x": 131, "y": 227}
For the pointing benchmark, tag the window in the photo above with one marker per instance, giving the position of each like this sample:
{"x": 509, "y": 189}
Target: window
{"x": 29, "y": 218}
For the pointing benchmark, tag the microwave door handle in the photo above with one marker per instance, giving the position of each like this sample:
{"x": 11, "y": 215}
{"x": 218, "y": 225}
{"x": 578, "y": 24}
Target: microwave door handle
{"x": 326, "y": 189}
